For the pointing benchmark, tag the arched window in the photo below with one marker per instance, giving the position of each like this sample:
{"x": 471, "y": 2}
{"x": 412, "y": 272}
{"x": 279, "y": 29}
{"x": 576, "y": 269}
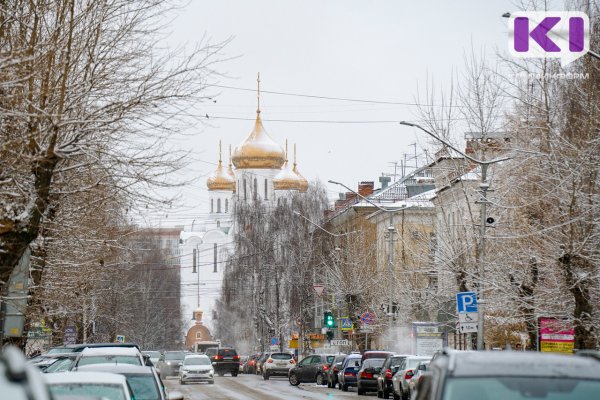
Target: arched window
{"x": 218, "y": 205}
{"x": 245, "y": 194}
{"x": 212, "y": 206}
{"x": 226, "y": 205}
{"x": 255, "y": 194}
{"x": 266, "y": 194}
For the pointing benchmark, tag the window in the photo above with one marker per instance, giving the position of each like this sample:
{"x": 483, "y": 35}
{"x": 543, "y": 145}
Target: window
{"x": 255, "y": 193}
{"x": 198, "y": 335}
{"x": 212, "y": 206}
{"x": 245, "y": 194}
{"x": 218, "y": 205}
{"x": 266, "y": 196}
{"x": 226, "y": 205}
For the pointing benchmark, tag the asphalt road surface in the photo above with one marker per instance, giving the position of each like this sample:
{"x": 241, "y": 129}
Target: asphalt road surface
{"x": 253, "y": 387}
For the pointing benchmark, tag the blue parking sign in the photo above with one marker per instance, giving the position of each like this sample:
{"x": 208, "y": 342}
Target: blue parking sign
{"x": 466, "y": 302}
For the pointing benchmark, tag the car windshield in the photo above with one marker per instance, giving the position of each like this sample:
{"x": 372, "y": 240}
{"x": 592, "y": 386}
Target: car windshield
{"x": 412, "y": 363}
{"x": 227, "y": 352}
{"x": 60, "y": 365}
{"x": 178, "y": 355}
{"x": 396, "y": 362}
{"x": 59, "y": 350}
{"x": 143, "y": 386}
{"x": 108, "y": 359}
{"x": 373, "y": 362}
{"x": 196, "y": 361}
{"x": 152, "y": 354}
{"x": 101, "y": 390}
{"x": 520, "y": 388}
{"x": 281, "y": 356}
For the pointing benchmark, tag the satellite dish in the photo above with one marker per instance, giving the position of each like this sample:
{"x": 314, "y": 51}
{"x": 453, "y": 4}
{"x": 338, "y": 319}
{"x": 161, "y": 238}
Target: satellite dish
{"x": 490, "y": 220}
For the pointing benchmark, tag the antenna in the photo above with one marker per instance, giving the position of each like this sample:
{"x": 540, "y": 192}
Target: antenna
{"x": 258, "y": 92}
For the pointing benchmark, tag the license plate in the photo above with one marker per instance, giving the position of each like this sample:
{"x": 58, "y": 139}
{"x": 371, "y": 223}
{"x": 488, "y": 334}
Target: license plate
{"x": 228, "y": 358}
{"x": 280, "y": 364}
{"x": 375, "y": 375}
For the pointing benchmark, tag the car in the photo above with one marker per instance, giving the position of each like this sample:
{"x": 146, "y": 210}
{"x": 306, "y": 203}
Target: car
{"x": 110, "y": 355}
{"x": 143, "y": 381}
{"x": 259, "y": 363}
{"x": 56, "y": 362}
{"x": 250, "y": 364}
{"x": 100, "y": 384}
{"x": 169, "y": 363}
{"x": 311, "y": 369}
{"x": 153, "y": 356}
{"x": 334, "y": 369}
{"x": 19, "y": 380}
{"x": 400, "y": 379}
{"x": 243, "y": 360}
{"x": 348, "y": 371}
{"x": 196, "y": 368}
{"x": 420, "y": 369}
{"x": 488, "y": 375}
{"x": 45, "y": 360}
{"x": 224, "y": 360}
{"x": 388, "y": 369}
{"x": 277, "y": 364}
{"x": 79, "y": 347}
{"x": 366, "y": 378}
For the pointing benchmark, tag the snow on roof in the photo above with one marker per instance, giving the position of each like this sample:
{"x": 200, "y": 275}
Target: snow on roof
{"x": 116, "y": 368}
{"x": 85, "y": 377}
{"x": 110, "y": 351}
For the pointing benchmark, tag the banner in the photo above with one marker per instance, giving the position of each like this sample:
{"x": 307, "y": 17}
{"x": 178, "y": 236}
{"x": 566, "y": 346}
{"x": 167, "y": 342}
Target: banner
{"x": 556, "y": 336}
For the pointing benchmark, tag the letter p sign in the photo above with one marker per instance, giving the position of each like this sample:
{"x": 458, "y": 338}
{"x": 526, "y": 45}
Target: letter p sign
{"x": 559, "y": 34}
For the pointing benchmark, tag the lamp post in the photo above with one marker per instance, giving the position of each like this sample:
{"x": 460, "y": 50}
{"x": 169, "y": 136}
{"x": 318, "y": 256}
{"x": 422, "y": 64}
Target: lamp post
{"x": 484, "y": 187}
{"x": 390, "y": 238}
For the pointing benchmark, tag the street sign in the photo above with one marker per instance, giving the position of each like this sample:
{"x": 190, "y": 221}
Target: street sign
{"x": 465, "y": 318}
{"x": 367, "y": 318}
{"x": 319, "y": 289}
{"x": 346, "y": 324}
{"x": 70, "y": 336}
{"x": 275, "y": 341}
{"x": 367, "y": 328}
{"x": 339, "y": 342}
{"x": 274, "y": 348}
{"x": 466, "y": 302}
{"x": 120, "y": 339}
{"x": 468, "y": 327}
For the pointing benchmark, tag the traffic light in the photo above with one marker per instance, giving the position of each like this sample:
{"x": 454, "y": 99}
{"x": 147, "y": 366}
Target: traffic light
{"x": 328, "y": 319}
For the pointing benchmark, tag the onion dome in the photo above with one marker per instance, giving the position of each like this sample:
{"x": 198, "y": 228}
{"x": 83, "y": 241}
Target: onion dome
{"x": 303, "y": 183}
{"x": 286, "y": 179}
{"x": 258, "y": 150}
{"x": 220, "y": 179}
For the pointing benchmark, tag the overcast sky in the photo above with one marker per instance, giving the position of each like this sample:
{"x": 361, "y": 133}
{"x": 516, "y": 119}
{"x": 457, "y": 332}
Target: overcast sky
{"x": 365, "y": 50}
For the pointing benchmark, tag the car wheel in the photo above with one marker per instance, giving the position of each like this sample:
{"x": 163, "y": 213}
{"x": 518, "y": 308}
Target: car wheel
{"x": 360, "y": 391}
{"x": 385, "y": 394}
{"x": 396, "y": 397}
{"x": 221, "y": 373}
{"x": 266, "y": 376}
{"x": 181, "y": 382}
{"x": 319, "y": 379}
{"x": 379, "y": 394}
{"x": 234, "y": 373}
{"x": 403, "y": 395}
{"x": 329, "y": 384}
{"x": 211, "y": 382}
{"x": 344, "y": 388}
{"x": 293, "y": 380}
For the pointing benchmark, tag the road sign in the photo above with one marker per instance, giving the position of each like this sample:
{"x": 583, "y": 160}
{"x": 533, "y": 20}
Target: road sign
{"x": 367, "y": 318}
{"x": 70, "y": 335}
{"x": 339, "y": 342}
{"x": 367, "y": 328}
{"x": 465, "y": 318}
{"x": 346, "y": 324}
{"x": 120, "y": 339}
{"x": 466, "y": 302}
{"x": 468, "y": 327}
{"x": 275, "y": 341}
{"x": 319, "y": 289}
{"x": 274, "y": 348}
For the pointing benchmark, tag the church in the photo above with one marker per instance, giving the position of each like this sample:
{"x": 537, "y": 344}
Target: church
{"x": 258, "y": 169}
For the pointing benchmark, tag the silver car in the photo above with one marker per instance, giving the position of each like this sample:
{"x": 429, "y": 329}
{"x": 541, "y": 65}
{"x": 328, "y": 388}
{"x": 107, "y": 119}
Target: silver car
{"x": 196, "y": 368}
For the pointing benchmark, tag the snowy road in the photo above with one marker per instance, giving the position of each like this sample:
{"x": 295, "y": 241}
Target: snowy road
{"x": 252, "y": 387}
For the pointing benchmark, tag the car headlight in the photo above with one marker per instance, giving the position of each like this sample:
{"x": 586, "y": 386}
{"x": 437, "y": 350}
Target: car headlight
{"x": 184, "y": 370}
{"x": 168, "y": 362}
{"x": 211, "y": 371}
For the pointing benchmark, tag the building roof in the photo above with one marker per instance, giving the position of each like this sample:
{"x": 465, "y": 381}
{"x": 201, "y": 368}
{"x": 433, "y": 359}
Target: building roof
{"x": 258, "y": 150}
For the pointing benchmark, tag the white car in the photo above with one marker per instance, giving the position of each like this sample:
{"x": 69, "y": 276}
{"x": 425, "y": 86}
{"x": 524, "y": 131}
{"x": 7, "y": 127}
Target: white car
{"x": 93, "y": 384}
{"x": 109, "y": 355}
{"x": 196, "y": 368}
{"x": 277, "y": 364}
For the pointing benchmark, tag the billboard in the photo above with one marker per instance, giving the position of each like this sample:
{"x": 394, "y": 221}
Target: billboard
{"x": 428, "y": 337}
{"x": 556, "y": 335}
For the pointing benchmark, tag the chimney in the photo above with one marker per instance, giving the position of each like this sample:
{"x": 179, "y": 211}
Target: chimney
{"x": 350, "y": 197}
{"x": 385, "y": 181}
{"x": 365, "y": 188}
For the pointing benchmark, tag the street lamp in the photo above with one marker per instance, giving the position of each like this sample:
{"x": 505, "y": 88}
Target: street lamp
{"x": 484, "y": 187}
{"x": 390, "y": 238}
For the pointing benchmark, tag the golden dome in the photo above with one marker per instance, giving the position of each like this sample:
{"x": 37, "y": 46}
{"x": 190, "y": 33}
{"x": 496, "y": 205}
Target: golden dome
{"x": 286, "y": 179}
{"x": 303, "y": 183}
{"x": 220, "y": 179}
{"x": 258, "y": 150}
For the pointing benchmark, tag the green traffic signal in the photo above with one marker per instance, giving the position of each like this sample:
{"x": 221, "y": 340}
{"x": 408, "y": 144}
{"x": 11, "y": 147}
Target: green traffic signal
{"x": 329, "y": 320}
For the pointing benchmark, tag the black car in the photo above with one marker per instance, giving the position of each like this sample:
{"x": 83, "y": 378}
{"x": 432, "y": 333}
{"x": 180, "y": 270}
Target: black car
{"x": 486, "y": 375}
{"x": 388, "y": 369}
{"x": 334, "y": 369}
{"x": 311, "y": 369}
{"x": 224, "y": 360}
{"x": 366, "y": 378}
